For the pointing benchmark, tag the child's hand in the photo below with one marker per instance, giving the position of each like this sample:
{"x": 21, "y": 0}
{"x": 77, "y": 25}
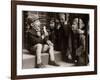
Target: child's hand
{"x": 45, "y": 31}
{"x": 80, "y": 31}
{"x": 38, "y": 34}
{"x": 66, "y": 22}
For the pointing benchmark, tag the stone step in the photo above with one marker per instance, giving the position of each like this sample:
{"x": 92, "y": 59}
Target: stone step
{"x": 29, "y": 60}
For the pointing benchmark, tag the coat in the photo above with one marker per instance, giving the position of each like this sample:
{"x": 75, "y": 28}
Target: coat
{"x": 34, "y": 39}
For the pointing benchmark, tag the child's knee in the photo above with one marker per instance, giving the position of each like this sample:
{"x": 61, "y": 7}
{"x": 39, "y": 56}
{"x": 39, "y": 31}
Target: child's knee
{"x": 51, "y": 47}
{"x": 39, "y": 45}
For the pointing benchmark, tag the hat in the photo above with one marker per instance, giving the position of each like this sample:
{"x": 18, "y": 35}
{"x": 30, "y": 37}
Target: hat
{"x": 33, "y": 16}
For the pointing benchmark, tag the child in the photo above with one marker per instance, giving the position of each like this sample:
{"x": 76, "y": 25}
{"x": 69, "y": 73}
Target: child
{"x": 40, "y": 42}
{"x": 79, "y": 53}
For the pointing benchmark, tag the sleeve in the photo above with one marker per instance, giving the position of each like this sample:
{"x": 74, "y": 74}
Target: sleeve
{"x": 34, "y": 39}
{"x": 47, "y": 37}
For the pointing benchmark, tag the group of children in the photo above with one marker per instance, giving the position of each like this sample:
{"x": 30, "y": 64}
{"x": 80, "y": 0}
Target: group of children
{"x": 74, "y": 39}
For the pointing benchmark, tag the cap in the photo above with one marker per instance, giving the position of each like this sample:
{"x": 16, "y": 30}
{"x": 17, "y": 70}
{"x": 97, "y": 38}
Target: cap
{"x": 33, "y": 16}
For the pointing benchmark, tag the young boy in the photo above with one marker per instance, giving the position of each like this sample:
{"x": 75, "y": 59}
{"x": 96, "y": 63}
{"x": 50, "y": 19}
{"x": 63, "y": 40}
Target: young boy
{"x": 39, "y": 42}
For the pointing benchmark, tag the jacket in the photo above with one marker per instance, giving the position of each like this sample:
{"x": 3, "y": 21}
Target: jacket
{"x": 33, "y": 38}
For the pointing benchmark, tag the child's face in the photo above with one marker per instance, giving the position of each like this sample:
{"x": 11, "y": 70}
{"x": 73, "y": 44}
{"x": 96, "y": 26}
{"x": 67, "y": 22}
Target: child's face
{"x": 62, "y": 17}
{"x": 37, "y": 23}
{"x": 81, "y": 23}
{"x": 52, "y": 24}
{"x": 75, "y": 24}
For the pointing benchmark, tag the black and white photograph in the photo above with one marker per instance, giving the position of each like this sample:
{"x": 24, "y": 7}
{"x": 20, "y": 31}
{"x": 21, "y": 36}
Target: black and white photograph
{"x": 53, "y": 39}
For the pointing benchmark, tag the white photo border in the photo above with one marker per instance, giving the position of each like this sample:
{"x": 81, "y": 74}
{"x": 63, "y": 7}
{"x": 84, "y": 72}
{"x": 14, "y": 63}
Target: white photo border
{"x": 34, "y": 71}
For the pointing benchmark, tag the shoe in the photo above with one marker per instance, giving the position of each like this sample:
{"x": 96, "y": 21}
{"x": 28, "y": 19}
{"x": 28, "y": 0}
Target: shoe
{"x": 70, "y": 61}
{"x": 53, "y": 63}
{"x": 40, "y": 65}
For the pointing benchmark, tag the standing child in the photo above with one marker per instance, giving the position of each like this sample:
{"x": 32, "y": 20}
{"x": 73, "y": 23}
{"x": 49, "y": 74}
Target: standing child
{"x": 79, "y": 53}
